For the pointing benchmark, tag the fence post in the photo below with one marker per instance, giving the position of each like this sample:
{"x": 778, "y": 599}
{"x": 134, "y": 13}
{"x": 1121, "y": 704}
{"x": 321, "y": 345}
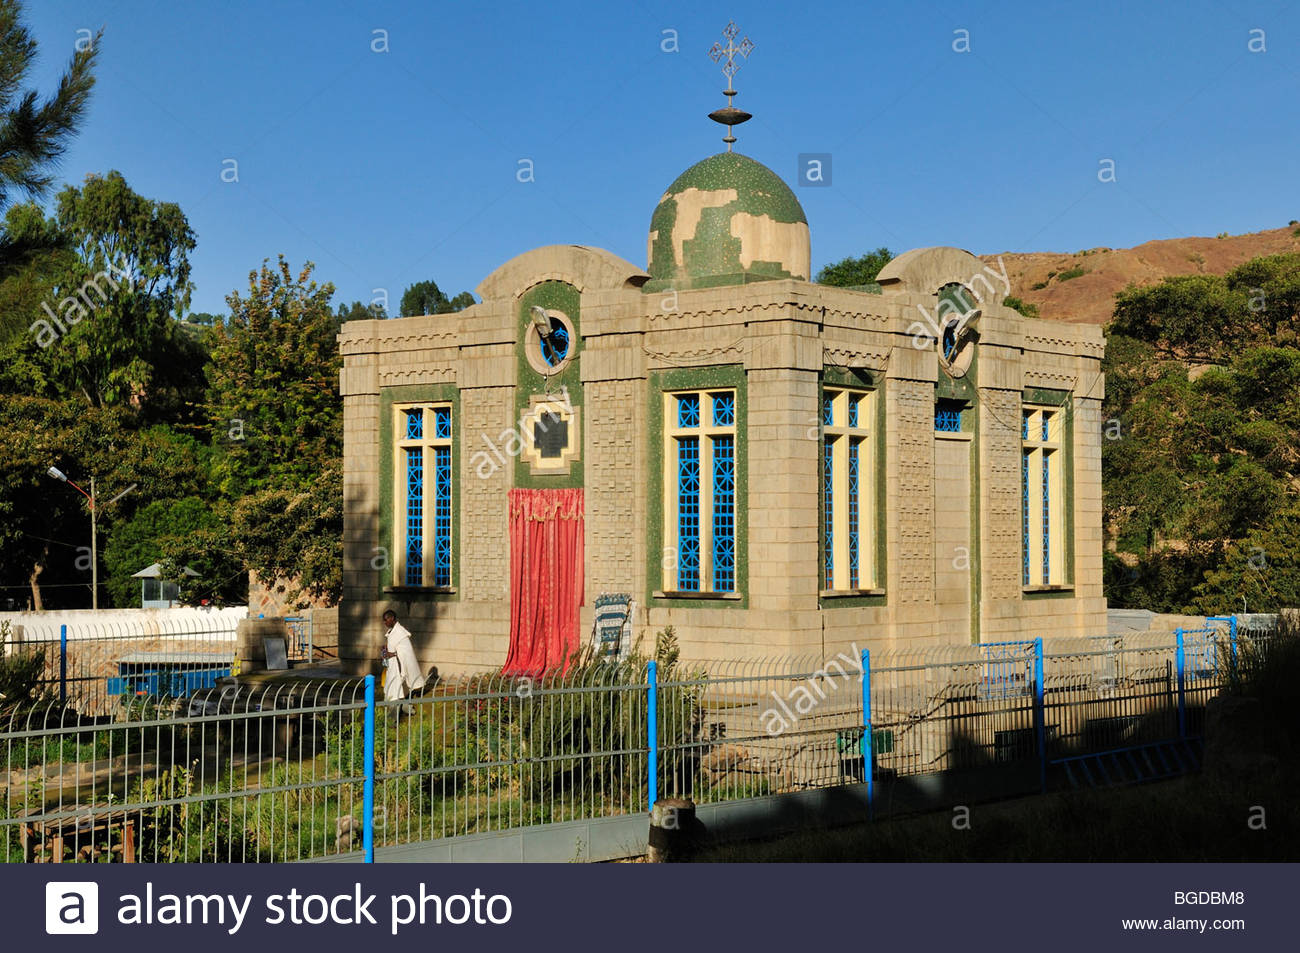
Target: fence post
{"x": 1182, "y": 694}
{"x": 1040, "y": 715}
{"x": 868, "y": 742}
{"x": 63, "y": 665}
{"x": 368, "y": 788}
{"x": 652, "y": 731}
{"x": 1232, "y": 638}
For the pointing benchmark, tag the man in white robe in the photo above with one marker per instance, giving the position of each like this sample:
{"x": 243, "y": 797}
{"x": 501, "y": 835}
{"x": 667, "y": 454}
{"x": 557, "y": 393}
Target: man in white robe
{"x": 402, "y": 673}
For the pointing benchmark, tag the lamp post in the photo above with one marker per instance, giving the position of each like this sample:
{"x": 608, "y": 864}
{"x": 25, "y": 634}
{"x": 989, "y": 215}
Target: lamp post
{"x": 58, "y": 474}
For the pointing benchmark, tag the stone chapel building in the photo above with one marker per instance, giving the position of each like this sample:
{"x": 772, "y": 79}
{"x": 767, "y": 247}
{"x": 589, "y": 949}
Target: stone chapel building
{"x": 768, "y": 465}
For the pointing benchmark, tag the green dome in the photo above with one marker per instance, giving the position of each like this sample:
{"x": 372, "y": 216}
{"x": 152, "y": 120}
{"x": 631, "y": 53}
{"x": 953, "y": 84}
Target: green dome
{"x": 726, "y": 221}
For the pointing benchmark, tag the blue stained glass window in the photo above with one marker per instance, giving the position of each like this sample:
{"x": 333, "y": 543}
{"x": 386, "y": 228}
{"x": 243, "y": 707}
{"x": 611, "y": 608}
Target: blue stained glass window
{"x": 414, "y": 424}
{"x": 828, "y": 512}
{"x": 688, "y": 410}
{"x": 947, "y": 416}
{"x": 724, "y": 513}
{"x": 555, "y": 346}
{"x": 1047, "y": 522}
{"x": 442, "y": 516}
{"x": 688, "y": 512}
{"x": 950, "y": 337}
{"x": 1024, "y": 425}
{"x": 853, "y": 514}
{"x": 442, "y": 423}
{"x": 854, "y": 400}
{"x": 414, "y": 516}
{"x": 828, "y": 410}
{"x": 1024, "y": 515}
{"x": 1046, "y": 431}
{"x": 724, "y": 410}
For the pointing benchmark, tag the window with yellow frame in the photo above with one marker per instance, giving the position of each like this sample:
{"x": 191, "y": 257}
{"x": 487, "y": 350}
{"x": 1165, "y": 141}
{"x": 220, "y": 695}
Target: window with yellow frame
{"x": 422, "y": 495}
{"x": 848, "y": 494}
{"x": 1042, "y": 479}
{"x": 700, "y": 490}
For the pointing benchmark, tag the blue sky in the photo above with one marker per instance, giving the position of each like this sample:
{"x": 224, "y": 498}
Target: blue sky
{"x": 385, "y": 168}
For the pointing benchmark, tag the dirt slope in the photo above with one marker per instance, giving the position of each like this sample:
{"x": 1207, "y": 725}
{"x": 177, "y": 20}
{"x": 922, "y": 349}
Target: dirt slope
{"x": 1090, "y": 297}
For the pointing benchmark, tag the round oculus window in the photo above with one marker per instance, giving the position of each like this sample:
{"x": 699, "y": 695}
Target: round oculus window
{"x": 550, "y": 348}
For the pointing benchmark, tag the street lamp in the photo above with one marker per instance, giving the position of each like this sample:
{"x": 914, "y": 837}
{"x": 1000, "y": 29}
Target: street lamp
{"x": 58, "y": 474}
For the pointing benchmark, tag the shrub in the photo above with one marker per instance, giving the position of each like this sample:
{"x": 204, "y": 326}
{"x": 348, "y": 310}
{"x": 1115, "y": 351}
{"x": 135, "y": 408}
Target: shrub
{"x": 19, "y": 674}
{"x": 1024, "y": 307}
{"x": 191, "y": 832}
{"x": 1070, "y": 273}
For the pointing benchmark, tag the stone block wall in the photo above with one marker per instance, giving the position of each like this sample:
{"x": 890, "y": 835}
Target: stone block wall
{"x": 783, "y": 333}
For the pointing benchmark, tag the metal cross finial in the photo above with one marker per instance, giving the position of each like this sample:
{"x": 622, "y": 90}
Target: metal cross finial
{"x": 730, "y": 116}
{"x": 730, "y": 50}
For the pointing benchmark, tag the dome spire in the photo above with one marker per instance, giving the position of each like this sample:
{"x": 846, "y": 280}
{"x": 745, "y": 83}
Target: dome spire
{"x": 729, "y": 115}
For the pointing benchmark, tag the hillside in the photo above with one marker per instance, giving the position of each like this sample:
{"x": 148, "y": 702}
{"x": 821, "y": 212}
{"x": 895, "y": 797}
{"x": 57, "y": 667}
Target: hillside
{"x": 1090, "y": 296}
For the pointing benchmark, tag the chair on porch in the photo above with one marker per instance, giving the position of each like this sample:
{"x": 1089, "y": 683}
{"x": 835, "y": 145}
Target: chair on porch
{"x": 611, "y": 630}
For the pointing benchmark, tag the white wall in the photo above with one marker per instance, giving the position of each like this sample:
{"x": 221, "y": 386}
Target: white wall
{"x": 214, "y": 624}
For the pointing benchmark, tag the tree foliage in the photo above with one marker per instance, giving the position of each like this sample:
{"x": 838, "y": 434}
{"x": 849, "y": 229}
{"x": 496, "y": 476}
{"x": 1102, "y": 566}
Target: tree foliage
{"x": 1205, "y": 319}
{"x": 1202, "y": 466}
{"x": 34, "y": 132}
{"x": 187, "y": 532}
{"x": 227, "y": 430}
{"x": 851, "y": 272}
{"x": 101, "y": 283}
{"x": 425, "y": 297}
{"x": 129, "y": 282}
{"x": 295, "y": 534}
{"x": 272, "y": 398}
{"x": 277, "y": 426}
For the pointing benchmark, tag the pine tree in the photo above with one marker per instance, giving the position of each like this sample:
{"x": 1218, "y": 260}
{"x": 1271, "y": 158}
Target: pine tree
{"x": 33, "y": 132}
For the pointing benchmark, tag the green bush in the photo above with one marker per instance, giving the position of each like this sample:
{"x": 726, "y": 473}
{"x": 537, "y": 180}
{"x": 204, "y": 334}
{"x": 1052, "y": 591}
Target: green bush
{"x": 1024, "y": 307}
{"x": 19, "y": 676}
{"x": 1070, "y": 273}
{"x": 210, "y": 830}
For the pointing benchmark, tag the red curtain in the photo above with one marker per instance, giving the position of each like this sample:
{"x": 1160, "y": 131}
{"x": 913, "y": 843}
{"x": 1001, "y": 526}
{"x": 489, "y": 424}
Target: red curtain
{"x": 546, "y": 579}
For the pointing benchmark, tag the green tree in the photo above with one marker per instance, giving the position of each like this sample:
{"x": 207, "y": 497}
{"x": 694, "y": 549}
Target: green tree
{"x": 1201, "y": 468}
{"x": 852, "y": 272}
{"x": 34, "y": 256}
{"x": 357, "y": 311}
{"x": 272, "y": 399}
{"x": 117, "y": 275}
{"x": 294, "y": 534}
{"x": 425, "y": 297}
{"x": 1260, "y": 573}
{"x": 34, "y": 132}
{"x": 45, "y": 525}
{"x": 277, "y": 426}
{"x": 186, "y": 531}
{"x": 1206, "y": 319}
{"x": 461, "y": 301}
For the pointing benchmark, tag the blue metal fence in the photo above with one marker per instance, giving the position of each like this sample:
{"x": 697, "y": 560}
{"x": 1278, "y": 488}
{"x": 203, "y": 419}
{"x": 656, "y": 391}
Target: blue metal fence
{"x": 331, "y": 768}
